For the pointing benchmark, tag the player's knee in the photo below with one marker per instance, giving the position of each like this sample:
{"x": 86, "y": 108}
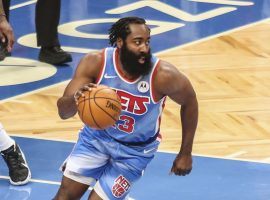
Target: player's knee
{"x": 94, "y": 196}
{"x": 69, "y": 191}
{"x": 64, "y": 194}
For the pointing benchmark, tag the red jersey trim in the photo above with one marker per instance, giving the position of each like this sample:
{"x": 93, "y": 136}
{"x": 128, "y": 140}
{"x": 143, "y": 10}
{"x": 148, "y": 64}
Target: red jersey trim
{"x": 160, "y": 116}
{"x": 154, "y": 72}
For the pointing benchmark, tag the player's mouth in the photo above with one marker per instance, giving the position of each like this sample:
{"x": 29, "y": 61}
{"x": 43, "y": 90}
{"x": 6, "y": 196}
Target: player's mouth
{"x": 142, "y": 60}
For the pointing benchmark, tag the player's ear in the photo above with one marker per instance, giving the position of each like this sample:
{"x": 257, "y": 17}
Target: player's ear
{"x": 119, "y": 43}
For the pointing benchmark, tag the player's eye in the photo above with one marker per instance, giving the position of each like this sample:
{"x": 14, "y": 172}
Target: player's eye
{"x": 137, "y": 42}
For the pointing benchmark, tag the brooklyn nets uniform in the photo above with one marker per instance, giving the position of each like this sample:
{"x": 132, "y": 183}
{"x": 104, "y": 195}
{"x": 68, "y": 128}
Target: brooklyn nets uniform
{"x": 118, "y": 156}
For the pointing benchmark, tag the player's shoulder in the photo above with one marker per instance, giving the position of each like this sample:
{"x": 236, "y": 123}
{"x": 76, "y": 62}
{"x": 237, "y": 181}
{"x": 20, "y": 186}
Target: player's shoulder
{"x": 91, "y": 64}
{"x": 168, "y": 79}
{"x": 94, "y": 57}
{"x": 166, "y": 71}
{"x": 92, "y": 60}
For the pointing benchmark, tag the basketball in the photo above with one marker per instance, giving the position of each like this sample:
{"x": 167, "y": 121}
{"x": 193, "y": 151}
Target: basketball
{"x": 100, "y": 108}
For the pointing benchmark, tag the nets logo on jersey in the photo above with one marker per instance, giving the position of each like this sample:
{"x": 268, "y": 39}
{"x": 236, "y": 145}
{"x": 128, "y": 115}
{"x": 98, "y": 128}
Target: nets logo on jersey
{"x": 133, "y": 104}
{"x": 120, "y": 187}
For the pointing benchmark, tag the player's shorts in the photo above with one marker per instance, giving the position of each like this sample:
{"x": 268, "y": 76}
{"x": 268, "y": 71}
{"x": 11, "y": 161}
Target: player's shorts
{"x": 115, "y": 166}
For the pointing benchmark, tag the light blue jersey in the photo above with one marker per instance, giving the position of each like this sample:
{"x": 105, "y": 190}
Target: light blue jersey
{"x": 139, "y": 121}
{"x": 117, "y": 156}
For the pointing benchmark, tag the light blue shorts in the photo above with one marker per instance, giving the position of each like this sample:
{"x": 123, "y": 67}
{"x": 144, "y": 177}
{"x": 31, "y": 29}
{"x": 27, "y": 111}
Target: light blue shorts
{"x": 115, "y": 166}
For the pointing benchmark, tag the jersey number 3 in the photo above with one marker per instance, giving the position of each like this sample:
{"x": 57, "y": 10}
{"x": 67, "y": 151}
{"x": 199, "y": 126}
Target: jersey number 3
{"x": 126, "y": 124}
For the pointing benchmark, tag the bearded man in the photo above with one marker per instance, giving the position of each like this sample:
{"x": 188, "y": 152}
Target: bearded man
{"x": 114, "y": 158}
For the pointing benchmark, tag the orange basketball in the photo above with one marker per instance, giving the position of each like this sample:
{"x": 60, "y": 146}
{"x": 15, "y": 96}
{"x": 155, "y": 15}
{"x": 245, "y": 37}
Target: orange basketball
{"x": 99, "y": 108}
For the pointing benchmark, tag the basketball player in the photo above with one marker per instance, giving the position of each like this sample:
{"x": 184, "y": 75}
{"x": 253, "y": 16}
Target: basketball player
{"x": 19, "y": 171}
{"x": 115, "y": 158}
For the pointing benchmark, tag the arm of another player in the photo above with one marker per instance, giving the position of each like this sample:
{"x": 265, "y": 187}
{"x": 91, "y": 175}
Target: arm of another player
{"x": 83, "y": 79}
{"x": 181, "y": 91}
{"x": 5, "y": 29}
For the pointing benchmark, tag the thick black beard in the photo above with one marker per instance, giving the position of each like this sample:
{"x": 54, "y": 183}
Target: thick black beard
{"x": 130, "y": 62}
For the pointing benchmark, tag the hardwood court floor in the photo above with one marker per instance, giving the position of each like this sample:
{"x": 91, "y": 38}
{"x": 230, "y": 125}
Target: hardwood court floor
{"x": 231, "y": 76}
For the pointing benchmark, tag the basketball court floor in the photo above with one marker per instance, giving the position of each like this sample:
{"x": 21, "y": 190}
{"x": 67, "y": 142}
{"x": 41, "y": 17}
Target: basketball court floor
{"x": 223, "y": 46}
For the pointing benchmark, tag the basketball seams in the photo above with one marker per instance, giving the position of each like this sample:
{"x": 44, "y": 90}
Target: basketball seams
{"x": 91, "y": 110}
{"x": 100, "y": 106}
{"x": 97, "y": 106}
{"x": 105, "y": 97}
{"x": 105, "y": 111}
{"x": 83, "y": 107}
{"x": 100, "y": 98}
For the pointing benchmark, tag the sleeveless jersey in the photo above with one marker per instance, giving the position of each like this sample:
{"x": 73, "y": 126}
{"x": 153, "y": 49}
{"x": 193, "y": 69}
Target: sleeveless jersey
{"x": 141, "y": 114}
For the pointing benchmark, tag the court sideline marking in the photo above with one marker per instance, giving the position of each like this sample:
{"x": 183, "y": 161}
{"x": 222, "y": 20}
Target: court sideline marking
{"x": 228, "y": 157}
{"x": 22, "y": 4}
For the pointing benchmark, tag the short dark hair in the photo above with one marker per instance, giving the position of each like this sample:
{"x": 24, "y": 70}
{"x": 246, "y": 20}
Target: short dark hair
{"x": 120, "y": 29}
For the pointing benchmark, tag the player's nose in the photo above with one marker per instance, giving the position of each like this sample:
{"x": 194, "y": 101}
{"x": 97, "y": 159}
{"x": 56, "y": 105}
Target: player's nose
{"x": 144, "y": 48}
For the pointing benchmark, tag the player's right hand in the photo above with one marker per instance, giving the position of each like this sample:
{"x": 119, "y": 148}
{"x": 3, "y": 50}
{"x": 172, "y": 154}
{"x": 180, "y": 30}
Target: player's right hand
{"x": 80, "y": 92}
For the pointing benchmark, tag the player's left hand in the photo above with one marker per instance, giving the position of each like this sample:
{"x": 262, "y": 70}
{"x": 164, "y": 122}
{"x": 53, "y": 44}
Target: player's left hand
{"x": 182, "y": 165}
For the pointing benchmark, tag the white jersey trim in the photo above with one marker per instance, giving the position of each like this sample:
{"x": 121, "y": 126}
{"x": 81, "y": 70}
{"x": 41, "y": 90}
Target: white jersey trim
{"x": 98, "y": 189}
{"x": 151, "y": 84}
{"x": 159, "y": 115}
{"x": 78, "y": 178}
